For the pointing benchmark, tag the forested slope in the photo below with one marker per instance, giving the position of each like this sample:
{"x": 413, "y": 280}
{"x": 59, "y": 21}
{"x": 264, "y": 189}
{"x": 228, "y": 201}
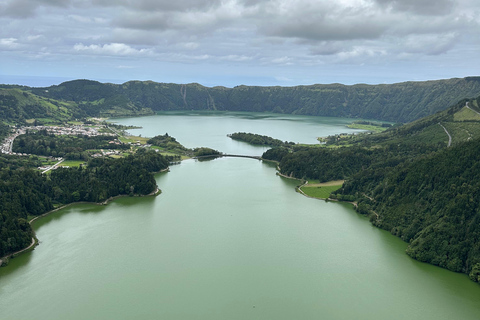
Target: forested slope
{"x": 401, "y": 102}
{"x": 431, "y": 202}
{"x": 24, "y": 192}
{"x": 410, "y": 182}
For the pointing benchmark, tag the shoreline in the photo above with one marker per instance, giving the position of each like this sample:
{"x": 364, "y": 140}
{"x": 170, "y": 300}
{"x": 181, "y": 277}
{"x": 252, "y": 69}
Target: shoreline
{"x": 5, "y": 259}
{"x": 305, "y": 182}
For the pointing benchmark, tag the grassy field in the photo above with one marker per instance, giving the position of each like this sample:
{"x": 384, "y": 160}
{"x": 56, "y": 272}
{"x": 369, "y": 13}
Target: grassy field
{"x": 368, "y": 127}
{"x": 72, "y": 163}
{"x": 319, "y": 190}
{"x": 466, "y": 114}
{"x": 133, "y": 139}
{"x": 183, "y": 157}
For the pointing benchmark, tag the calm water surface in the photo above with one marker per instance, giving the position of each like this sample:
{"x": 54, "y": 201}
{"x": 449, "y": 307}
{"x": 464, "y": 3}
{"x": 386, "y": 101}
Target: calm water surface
{"x": 227, "y": 239}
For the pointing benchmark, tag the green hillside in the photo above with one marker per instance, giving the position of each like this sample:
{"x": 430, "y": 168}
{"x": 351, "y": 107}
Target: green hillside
{"x": 17, "y": 105}
{"x": 94, "y": 98}
{"x": 410, "y": 182}
{"x": 401, "y": 102}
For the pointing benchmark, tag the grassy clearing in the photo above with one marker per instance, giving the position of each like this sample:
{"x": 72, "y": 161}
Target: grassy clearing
{"x": 75, "y": 123}
{"x": 133, "y": 139}
{"x": 48, "y": 162}
{"x": 367, "y": 127}
{"x": 72, "y": 163}
{"x": 317, "y": 183}
{"x": 466, "y": 114}
{"x": 463, "y": 131}
{"x": 320, "y": 192}
{"x": 183, "y": 157}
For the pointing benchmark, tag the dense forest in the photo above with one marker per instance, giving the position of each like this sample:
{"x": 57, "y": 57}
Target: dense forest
{"x": 258, "y": 140}
{"x": 409, "y": 182}
{"x": 168, "y": 144}
{"x": 431, "y": 202}
{"x": 171, "y": 145}
{"x": 24, "y": 192}
{"x": 400, "y": 102}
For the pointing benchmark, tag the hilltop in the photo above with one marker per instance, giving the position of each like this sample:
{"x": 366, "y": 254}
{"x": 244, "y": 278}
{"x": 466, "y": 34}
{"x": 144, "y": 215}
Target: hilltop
{"x": 401, "y": 102}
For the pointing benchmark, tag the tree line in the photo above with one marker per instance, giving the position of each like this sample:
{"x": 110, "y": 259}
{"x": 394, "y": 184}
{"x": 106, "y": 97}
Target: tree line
{"x": 24, "y": 192}
{"x": 259, "y": 140}
{"x": 400, "y": 102}
{"x": 409, "y": 183}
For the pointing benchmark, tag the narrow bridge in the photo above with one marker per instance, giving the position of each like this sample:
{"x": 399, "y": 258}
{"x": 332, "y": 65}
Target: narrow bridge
{"x": 242, "y": 156}
{"x": 229, "y": 155}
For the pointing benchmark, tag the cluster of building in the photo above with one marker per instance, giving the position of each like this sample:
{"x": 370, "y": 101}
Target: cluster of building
{"x": 103, "y": 153}
{"x": 72, "y": 130}
{"x": 6, "y": 146}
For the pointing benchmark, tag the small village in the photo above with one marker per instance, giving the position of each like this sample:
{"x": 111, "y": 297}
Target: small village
{"x": 6, "y": 146}
{"x": 89, "y": 131}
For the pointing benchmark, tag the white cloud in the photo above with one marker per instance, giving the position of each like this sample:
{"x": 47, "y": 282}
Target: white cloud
{"x": 190, "y": 45}
{"x": 9, "y": 43}
{"x": 282, "y": 60}
{"x": 236, "y": 58}
{"x": 113, "y": 49}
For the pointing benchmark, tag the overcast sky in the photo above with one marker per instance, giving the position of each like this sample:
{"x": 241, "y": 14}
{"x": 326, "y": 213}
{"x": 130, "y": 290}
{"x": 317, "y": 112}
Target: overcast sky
{"x": 233, "y": 42}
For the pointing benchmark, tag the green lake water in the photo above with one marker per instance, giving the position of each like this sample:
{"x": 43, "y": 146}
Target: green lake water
{"x": 227, "y": 239}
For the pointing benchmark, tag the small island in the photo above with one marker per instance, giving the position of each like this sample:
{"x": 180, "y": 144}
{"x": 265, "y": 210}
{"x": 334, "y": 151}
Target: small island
{"x": 259, "y": 140}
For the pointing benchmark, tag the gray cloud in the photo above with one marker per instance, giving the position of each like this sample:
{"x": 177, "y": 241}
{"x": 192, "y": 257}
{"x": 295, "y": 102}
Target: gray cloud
{"x": 241, "y": 32}
{"x": 27, "y": 8}
{"x": 326, "y": 29}
{"x": 160, "y": 6}
{"x": 422, "y": 7}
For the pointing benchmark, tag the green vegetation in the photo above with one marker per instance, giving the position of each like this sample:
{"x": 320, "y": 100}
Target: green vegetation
{"x": 409, "y": 182}
{"x": 72, "y": 163}
{"x": 72, "y": 147}
{"x": 25, "y": 192}
{"x": 369, "y": 126}
{"x": 401, "y": 102}
{"x": 259, "y": 140}
{"x": 320, "y": 192}
{"x": 166, "y": 143}
{"x": 169, "y": 145}
{"x": 466, "y": 114}
{"x": 206, "y": 152}
{"x": 406, "y": 178}
{"x": 17, "y": 105}
{"x": 4, "y": 130}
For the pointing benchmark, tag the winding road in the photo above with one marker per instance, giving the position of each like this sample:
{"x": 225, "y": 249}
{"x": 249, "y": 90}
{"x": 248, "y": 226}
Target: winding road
{"x": 449, "y": 136}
